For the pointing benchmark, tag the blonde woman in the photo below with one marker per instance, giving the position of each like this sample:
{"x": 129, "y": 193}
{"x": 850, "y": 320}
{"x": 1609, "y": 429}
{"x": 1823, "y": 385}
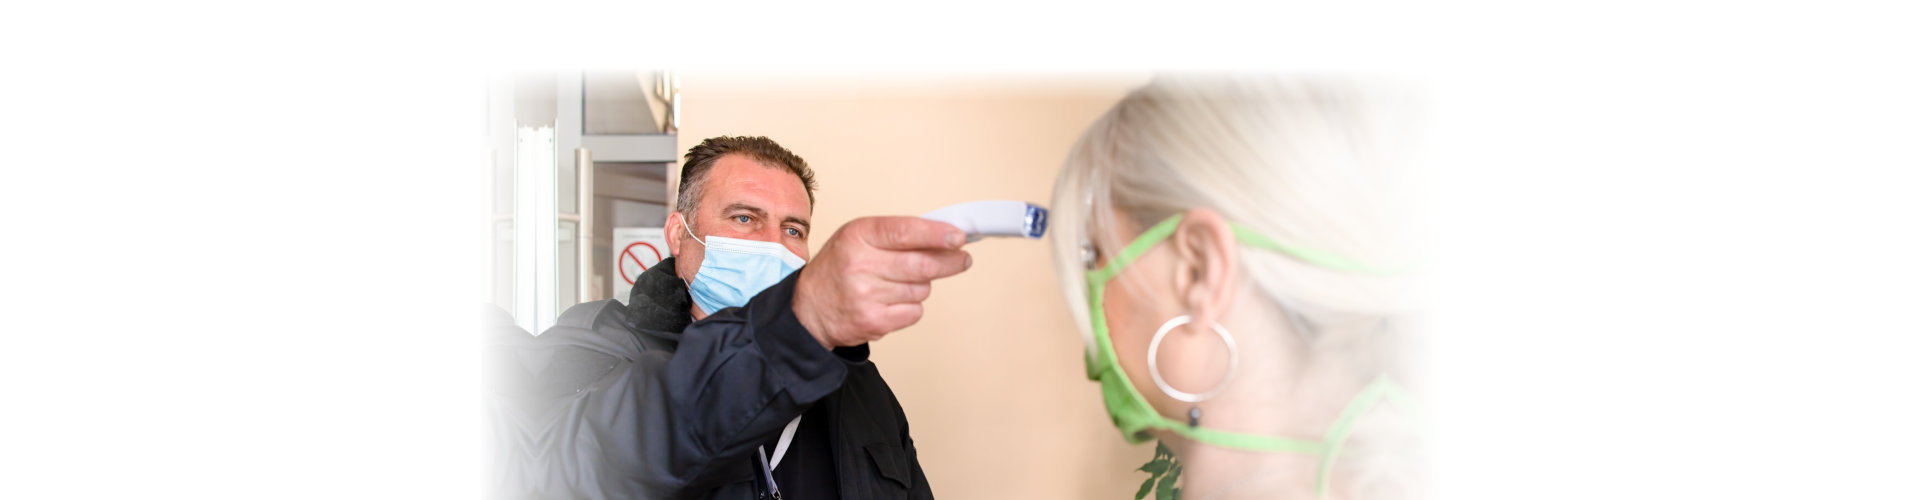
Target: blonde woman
{"x": 1237, "y": 258}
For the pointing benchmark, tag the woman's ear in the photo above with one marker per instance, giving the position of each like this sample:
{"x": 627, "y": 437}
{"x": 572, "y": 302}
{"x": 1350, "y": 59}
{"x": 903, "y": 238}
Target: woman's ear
{"x": 1205, "y": 277}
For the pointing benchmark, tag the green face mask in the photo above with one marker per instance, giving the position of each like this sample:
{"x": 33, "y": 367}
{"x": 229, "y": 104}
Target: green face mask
{"x": 1135, "y": 416}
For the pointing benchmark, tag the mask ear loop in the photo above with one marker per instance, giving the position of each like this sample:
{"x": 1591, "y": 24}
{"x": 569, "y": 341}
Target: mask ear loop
{"x": 689, "y": 227}
{"x": 1382, "y": 388}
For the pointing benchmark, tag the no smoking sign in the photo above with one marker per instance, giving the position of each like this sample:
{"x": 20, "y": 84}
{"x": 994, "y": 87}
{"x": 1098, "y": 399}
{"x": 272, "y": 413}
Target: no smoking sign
{"x": 635, "y": 250}
{"x": 632, "y": 263}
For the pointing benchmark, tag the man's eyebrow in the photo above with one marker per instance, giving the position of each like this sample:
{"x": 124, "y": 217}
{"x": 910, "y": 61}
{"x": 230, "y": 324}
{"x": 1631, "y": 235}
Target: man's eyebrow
{"x": 804, "y": 226}
{"x": 757, "y": 212}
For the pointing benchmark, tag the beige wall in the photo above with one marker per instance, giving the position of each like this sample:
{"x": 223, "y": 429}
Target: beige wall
{"x": 992, "y": 377}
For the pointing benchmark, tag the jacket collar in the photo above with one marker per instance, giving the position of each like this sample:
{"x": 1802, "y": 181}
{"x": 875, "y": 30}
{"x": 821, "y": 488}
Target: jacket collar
{"x": 659, "y": 305}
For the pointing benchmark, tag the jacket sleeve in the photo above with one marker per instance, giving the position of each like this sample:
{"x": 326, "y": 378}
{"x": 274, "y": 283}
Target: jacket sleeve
{"x": 921, "y": 490}
{"x": 735, "y": 380}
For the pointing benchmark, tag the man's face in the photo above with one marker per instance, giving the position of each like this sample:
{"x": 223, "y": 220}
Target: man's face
{"x": 747, "y": 200}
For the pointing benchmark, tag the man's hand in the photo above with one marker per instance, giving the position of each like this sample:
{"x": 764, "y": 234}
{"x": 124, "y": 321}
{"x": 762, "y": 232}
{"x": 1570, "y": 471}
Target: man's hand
{"x": 871, "y": 276}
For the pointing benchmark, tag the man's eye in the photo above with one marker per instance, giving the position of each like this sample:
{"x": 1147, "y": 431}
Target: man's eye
{"x": 743, "y": 219}
{"x": 793, "y": 232}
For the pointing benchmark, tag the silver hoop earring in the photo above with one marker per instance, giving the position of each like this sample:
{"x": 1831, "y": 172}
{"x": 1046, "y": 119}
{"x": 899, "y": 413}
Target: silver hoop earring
{"x": 1153, "y": 363}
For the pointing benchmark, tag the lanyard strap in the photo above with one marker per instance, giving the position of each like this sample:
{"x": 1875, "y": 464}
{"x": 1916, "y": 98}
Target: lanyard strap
{"x": 779, "y": 450}
{"x": 786, "y": 438}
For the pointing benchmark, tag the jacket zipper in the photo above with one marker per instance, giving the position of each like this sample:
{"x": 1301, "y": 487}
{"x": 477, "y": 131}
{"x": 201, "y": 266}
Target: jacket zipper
{"x": 766, "y": 473}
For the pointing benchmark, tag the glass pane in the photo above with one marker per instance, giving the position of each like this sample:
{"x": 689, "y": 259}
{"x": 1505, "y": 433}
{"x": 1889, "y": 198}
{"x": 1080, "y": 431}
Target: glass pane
{"x": 502, "y": 265}
{"x": 567, "y": 268}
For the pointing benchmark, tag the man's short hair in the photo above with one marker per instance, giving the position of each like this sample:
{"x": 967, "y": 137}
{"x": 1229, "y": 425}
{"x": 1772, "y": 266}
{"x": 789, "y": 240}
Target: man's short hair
{"x": 700, "y": 160}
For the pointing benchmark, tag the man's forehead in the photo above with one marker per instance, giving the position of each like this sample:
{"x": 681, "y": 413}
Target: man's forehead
{"x": 738, "y": 182}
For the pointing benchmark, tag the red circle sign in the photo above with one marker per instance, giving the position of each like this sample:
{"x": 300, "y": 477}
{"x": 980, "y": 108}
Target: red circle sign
{"x": 627, "y": 252}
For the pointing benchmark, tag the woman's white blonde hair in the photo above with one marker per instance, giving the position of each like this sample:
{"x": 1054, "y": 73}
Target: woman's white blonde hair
{"x": 1326, "y": 163}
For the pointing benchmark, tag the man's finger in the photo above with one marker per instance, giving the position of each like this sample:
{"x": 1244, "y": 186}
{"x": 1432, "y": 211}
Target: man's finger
{"x": 924, "y": 266}
{"x": 902, "y": 293}
{"x": 903, "y": 315}
{"x": 911, "y": 233}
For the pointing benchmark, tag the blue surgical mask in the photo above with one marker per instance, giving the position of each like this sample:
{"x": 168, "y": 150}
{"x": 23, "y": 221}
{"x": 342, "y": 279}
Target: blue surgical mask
{"x": 734, "y": 270}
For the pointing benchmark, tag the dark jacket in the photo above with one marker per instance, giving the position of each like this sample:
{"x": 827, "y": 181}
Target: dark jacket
{"x": 642, "y": 402}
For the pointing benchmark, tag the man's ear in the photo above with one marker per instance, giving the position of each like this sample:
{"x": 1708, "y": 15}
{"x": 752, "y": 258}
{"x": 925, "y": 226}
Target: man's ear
{"x": 1205, "y": 276}
{"x": 675, "y": 230}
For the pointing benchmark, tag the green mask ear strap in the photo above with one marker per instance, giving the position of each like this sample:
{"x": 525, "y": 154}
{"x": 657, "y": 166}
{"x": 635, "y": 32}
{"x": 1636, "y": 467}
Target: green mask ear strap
{"x": 1254, "y": 442}
{"x": 1140, "y": 245}
{"x": 1381, "y": 389}
{"x": 1316, "y": 257}
{"x": 1153, "y": 235}
{"x": 1328, "y": 451}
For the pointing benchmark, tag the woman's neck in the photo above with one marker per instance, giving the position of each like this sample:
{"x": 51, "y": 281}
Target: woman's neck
{"x": 1283, "y": 395}
{"x": 1213, "y": 472}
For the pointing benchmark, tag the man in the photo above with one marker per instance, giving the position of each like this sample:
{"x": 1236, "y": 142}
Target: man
{"x": 730, "y": 374}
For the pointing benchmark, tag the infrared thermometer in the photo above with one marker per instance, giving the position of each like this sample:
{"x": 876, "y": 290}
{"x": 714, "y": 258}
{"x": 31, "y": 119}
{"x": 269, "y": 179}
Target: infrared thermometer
{"x": 994, "y": 218}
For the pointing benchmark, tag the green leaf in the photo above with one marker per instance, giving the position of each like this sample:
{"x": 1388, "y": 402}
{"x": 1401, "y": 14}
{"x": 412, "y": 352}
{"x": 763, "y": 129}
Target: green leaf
{"x": 1163, "y": 472}
{"x": 1166, "y": 491}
